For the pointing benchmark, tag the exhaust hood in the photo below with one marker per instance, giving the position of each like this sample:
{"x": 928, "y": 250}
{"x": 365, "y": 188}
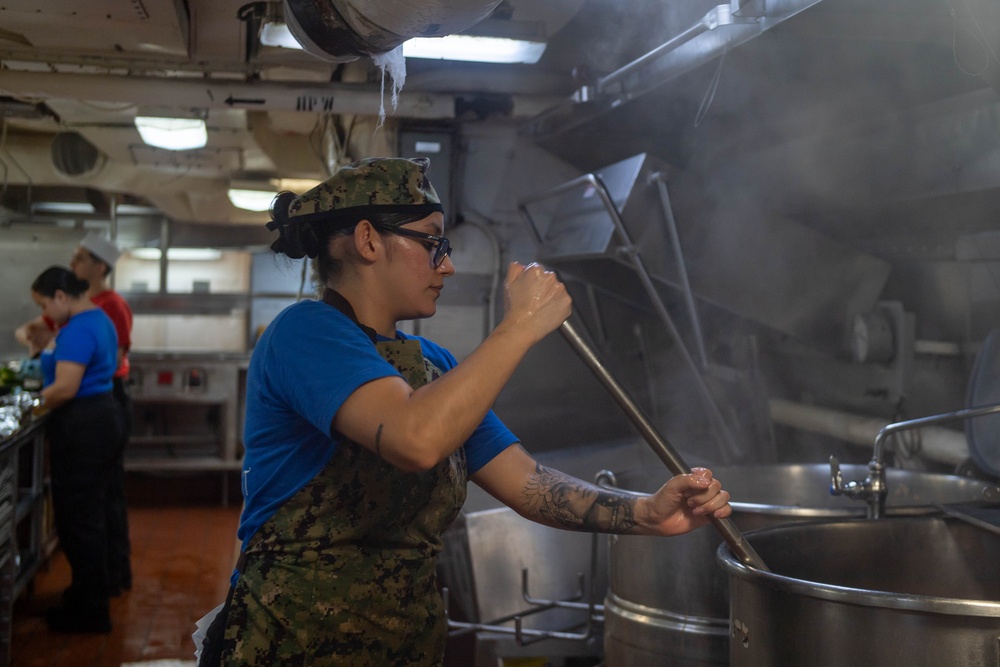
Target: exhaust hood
{"x": 765, "y": 268}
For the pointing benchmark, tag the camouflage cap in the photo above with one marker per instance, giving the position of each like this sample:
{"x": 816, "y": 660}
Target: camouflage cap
{"x": 397, "y": 185}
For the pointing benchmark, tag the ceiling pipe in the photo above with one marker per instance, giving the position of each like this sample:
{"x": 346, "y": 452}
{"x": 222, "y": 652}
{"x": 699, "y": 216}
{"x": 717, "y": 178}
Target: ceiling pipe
{"x": 341, "y": 30}
{"x": 331, "y": 98}
{"x": 936, "y": 443}
{"x": 334, "y": 98}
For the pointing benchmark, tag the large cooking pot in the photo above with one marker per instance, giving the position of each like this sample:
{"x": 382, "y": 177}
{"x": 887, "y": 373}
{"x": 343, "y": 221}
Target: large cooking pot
{"x": 668, "y": 601}
{"x": 891, "y": 592}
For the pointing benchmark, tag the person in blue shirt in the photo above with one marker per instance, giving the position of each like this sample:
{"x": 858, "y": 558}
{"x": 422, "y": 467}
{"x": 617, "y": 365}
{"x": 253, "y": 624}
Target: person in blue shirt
{"x": 360, "y": 439}
{"x": 84, "y": 429}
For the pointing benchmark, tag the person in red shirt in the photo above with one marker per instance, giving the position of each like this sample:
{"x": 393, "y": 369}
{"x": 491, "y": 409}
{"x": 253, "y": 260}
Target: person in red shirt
{"x": 93, "y": 261}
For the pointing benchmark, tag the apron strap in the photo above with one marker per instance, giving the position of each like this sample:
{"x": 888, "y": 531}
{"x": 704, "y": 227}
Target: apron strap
{"x": 332, "y": 297}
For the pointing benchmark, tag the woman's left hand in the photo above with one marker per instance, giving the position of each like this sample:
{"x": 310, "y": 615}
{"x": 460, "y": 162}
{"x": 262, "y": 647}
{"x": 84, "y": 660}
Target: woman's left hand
{"x": 684, "y": 503}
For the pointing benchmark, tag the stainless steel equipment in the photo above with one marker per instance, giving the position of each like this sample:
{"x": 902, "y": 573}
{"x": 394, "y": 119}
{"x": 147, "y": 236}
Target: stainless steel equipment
{"x": 895, "y": 592}
{"x": 512, "y": 579}
{"x": 873, "y": 488}
{"x": 188, "y": 410}
{"x": 822, "y": 283}
{"x": 668, "y": 601}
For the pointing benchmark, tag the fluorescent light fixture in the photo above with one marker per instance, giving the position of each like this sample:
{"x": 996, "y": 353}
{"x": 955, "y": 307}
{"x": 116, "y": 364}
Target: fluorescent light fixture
{"x": 175, "y": 134}
{"x": 251, "y": 200}
{"x": 87, "y": 209}
{"x": 474, "y": 48}
{"x": 62, "y": 207}
{"x": 181, "y": 254}
{"x": 257, "y": 194}
{"x": 278, "y": 34}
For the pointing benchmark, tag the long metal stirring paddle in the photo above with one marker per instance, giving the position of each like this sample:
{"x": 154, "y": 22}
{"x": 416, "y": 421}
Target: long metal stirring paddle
{"x": 730, "y": 533}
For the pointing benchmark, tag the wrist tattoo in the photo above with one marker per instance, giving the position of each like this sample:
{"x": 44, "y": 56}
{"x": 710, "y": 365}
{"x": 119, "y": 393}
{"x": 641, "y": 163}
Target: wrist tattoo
{"x": 378, "y": 441}
{"x": 564, "y": 502}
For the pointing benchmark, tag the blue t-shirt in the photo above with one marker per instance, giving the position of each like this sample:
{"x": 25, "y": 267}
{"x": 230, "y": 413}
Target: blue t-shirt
{"x": 306, "y": 364}
{"x": 89, "y": 339}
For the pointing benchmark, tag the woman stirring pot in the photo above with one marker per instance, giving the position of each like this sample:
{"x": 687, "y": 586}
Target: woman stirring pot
{"x": 360, "y": 439}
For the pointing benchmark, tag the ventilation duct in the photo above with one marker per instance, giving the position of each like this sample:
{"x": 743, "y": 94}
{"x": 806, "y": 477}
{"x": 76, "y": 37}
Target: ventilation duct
{"x": 74, "y": 157}
{"x": 343, "y": 30}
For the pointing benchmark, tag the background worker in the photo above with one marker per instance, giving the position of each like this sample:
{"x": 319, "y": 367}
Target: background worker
{"x": 93, "y": 260}
{"x": 84, "y": 429}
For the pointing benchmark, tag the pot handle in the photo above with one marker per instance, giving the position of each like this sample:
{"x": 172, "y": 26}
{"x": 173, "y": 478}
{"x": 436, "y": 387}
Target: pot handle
{"x": 730, "y": 533}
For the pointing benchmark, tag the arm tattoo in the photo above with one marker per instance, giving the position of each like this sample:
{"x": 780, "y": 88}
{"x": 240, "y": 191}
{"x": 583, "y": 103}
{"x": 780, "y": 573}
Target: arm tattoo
{"x": 561, "y": 501}
{"x": 378, "y": 441}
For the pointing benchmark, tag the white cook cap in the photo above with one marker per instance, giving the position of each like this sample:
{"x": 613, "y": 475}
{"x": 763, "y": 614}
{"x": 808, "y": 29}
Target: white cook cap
{"x": 101, "y": 248}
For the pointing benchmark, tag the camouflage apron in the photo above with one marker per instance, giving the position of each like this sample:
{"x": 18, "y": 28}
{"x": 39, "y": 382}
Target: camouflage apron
{"x": 344, "y": 572}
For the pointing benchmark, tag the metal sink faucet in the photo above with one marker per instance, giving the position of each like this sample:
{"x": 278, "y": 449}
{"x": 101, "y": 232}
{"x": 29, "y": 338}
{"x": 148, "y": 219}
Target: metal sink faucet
{"x": 873, "y": 490}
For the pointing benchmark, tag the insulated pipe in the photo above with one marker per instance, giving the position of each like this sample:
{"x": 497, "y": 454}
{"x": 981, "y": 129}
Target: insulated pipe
{"x": 936, "y": 443}
{"x": 195, "y": 93}
{"x": 341, "y": 30}
{"x": 730, "y": 533}
{"x": 333, "y": 98}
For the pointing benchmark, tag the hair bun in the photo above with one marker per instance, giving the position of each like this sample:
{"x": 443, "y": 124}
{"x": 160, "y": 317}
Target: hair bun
{"x": 77, "y": 284}
{"x": 294, "y": 239}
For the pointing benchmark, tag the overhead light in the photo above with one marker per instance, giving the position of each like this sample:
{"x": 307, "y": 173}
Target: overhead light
{"x": 257, "y": 195}
{"x": 251, "y": 200}
{"x": 62, "y": 207}
{"x": 474, "y": 48}
{"x": 82, "y": 208}
{"x": 175, "y": 134}
{"x": 182, "y": 254}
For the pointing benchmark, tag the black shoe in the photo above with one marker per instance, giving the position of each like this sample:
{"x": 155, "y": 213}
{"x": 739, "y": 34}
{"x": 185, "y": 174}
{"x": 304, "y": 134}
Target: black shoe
{"x": 69, "y": 596}
{"x": 63, "y": 619}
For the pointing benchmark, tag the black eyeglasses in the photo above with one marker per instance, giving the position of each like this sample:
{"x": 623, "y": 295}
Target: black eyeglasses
{"x": 441, "y": 248}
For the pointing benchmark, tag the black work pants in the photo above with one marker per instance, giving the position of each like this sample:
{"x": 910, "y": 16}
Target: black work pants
{"x": 84, "y": 438}
{"x": 119, "y": 547}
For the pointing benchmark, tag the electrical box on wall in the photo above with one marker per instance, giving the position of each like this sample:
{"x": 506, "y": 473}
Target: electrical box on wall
{"x": 437, "y": 146}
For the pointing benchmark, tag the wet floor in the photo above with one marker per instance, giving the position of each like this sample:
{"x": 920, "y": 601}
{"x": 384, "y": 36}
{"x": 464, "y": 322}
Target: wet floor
{"x": 182, "y": 557}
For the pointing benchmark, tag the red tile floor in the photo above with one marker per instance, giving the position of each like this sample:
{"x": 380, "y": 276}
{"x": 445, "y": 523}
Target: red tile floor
{"x": 181, "y": 560}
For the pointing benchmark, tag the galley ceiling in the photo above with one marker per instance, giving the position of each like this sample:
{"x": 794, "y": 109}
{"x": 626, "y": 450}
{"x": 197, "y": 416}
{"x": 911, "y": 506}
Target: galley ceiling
{"x": 868, "y": 121}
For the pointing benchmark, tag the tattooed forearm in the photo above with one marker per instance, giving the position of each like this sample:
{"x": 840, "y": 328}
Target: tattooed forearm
{"x": 378, "y": 440}
{"x": 565, "y": 502}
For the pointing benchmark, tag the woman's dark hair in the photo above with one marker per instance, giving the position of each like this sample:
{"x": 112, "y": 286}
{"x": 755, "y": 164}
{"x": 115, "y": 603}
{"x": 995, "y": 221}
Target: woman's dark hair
{"x": 327, "y": 266}
{"x": 312, "y": 239}
{"x": 296, "y": 241}
{"x": 59, "y": 278}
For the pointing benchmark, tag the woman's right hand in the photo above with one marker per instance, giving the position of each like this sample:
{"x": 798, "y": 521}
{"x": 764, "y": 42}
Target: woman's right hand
{"x": 535, "y": 300}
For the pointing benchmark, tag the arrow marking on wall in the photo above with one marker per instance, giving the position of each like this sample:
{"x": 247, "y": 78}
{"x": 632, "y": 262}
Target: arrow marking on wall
{"x": 235, "y": 100}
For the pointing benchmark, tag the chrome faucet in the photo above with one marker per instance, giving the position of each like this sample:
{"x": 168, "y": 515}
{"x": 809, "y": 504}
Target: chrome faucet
{"x": 874, "y": 489}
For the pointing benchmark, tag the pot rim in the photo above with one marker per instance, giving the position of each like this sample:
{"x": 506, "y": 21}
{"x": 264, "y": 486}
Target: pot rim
{"x": 845, "y": 594}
